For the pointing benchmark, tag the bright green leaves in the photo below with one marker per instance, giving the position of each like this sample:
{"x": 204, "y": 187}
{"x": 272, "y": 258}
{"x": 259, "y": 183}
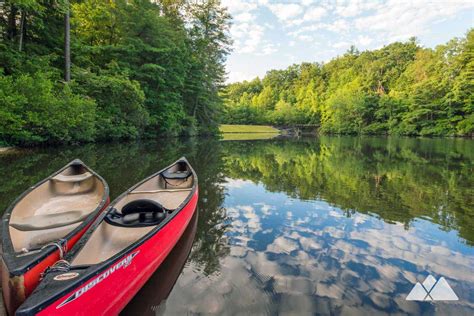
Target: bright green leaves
{"x": 138, "y": 70}
{"x": 34, "y": 110}
{"x": 399, "y": 89}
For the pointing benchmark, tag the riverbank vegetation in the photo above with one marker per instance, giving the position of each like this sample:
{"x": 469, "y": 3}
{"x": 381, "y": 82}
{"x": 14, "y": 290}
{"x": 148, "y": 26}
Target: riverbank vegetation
{"x": 138, "y": 68}
{"x": 400, "y": 89}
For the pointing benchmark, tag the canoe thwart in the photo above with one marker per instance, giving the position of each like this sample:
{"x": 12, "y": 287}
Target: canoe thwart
{"x": 73, "y": 178}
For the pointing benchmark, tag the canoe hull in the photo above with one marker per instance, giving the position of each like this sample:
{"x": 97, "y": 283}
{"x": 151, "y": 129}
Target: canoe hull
{"x": 21, "y": 271}
{"x": 159, "y": 286}
{"x": 16, "y": 288}
{"x": 108, "y": 292}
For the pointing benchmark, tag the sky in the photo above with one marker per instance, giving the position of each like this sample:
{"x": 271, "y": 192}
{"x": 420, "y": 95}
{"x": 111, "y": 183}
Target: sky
{"x": 275, "y": 34}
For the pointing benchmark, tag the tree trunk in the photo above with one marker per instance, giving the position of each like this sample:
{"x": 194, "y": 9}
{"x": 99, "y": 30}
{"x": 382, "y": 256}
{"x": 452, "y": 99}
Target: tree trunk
{"x": 22, "y": 30}
{"x": 67, "y": 46}
{"x": 11, "y": 31}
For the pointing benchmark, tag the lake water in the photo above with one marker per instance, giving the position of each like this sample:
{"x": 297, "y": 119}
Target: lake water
{"x": 330, "y": 225}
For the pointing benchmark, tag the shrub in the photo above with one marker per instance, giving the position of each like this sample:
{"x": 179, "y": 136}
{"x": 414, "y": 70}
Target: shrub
{"x": 33, "y": 110}
{"x": 121, "y": 113}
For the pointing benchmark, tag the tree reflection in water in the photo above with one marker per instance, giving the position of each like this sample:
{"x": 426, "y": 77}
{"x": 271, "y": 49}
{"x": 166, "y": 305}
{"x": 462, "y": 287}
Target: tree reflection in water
{"x": 329, "y": 225}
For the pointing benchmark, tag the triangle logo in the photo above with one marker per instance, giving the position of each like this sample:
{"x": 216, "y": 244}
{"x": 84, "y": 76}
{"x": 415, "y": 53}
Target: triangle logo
{"x": 432, "y": 290}
{"x": 442, "y": 291}
{"x": 418, "y": 293}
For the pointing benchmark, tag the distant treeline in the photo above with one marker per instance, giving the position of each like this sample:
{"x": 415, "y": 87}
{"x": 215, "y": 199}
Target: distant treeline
{"x": 400, "y": 89}
{"x": 140, "y": 68}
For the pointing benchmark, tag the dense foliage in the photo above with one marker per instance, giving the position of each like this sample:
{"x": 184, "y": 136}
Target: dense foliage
{"x": 401, "y": 89}
{"x": 140, "y": 68}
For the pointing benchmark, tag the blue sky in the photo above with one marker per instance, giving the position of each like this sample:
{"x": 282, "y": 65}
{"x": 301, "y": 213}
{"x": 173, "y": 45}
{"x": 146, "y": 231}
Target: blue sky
{"x": 275, "y": 34}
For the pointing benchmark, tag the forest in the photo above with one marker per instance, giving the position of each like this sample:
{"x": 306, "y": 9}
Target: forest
{"x": 75, "y": 71}
{"x": 400, "y": 89}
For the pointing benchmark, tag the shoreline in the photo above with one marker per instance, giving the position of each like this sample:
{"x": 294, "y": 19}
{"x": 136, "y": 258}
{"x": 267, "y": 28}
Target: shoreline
{"x": 8, "y": 149}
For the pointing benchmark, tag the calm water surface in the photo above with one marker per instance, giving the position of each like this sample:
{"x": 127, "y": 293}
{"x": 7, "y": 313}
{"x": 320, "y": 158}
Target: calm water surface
{"x": 329, "y": 226}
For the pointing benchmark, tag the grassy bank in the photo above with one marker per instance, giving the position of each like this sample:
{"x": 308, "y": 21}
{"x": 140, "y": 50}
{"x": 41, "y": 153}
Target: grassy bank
{"x": 248, "y": 136}
{"x": 225, "y": 128}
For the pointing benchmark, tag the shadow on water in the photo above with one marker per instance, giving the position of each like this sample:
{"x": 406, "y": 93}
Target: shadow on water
{"x": 332, "y": 225}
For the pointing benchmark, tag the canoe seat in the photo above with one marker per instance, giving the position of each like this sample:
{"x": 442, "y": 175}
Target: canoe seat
{"x": 48, "y": 221}
{"x": 73, "y": 178}
{"x": 138, "y": 213}
{"x": 177, "y": 175}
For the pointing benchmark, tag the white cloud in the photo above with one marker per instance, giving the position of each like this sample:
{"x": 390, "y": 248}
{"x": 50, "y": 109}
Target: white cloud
{"x": 398, "y": 20}
{"x": 314, "y": 14}
{"x": 246, "y": 32}
{"x": 305, "y": 38}
{"x": 392, "y": 19}
{"x": 283, "y": 245}
{"x": 246, "y": 208}
{"x": 239, "y": 76}
{"x": 251, "y": 218}
{"x": 308, "y": 28}
{"x": 364, "y": 40}
{"x": 307, "y": 2}
{"x": 341, "y": 44}
{"x": 236, "y": 6}
{"x": 235, "y": 183}
{"x": 266, "y": 209}
{"x": 310, "y": 15}
{"x": 348, "y": 11}
{"x": 285, "y": 12}
{"x": 269, "y": 26}
{"x": 244, "y": 17}
{"x": 355, "y": 7}
{"x": 247, "y": 37}
{"x": 338, "y": 26}
{"x": 290, "y": 59}
{"x": 268, "y": 49}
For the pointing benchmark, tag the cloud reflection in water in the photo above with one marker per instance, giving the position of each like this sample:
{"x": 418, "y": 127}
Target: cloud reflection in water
{"x": 308, "y": 256}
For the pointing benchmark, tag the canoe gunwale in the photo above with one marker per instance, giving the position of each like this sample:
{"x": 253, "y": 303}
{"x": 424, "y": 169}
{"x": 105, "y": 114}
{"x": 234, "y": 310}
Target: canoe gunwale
{"x": 96, "y": 269}
{"x": 19, "y": 265}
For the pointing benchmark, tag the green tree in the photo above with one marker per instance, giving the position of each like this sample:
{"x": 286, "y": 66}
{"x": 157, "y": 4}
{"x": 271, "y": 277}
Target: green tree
{"x": 209, "y": 46}
{"x": 152, "y": 68}
{"x": 401, "y": 89}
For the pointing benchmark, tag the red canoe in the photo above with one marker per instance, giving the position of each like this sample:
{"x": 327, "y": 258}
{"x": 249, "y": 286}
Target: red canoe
{"x": 157, "y": 289}
{"x": 43, "y": 222}
{"x": 122, "y": 249}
